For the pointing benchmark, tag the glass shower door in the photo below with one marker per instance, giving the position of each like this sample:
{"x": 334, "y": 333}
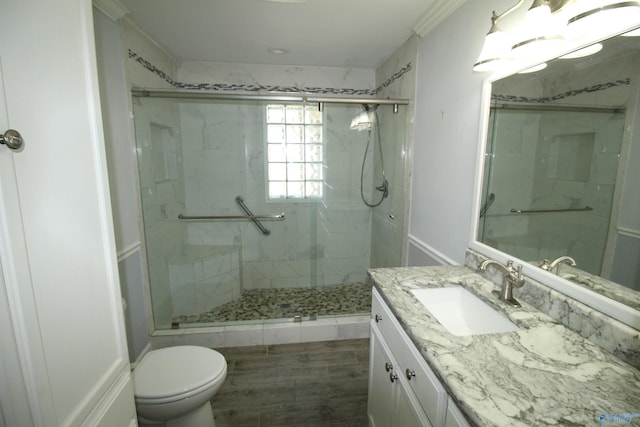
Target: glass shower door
{"x": 204, "y": 164}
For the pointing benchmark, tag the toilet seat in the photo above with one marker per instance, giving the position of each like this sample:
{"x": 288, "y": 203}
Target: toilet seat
{"x": 176, "y": 373}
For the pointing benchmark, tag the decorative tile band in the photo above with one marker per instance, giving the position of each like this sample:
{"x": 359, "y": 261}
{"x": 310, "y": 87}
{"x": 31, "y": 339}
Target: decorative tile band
{"x": 393, "y": 78}
{"x": 267, "y": 88}
{"x": 568, "y": 94}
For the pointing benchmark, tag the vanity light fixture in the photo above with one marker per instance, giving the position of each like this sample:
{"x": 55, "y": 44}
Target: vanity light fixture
{"x": 495, "y": 51}
{"x": 539, "y": 31}
{"x": 549, "y": 25}
{"x": 534, "y": 68}
{"x": 632, "y": 33}
{"x": 585, "y": 51}
{"x": 594, "y": 14}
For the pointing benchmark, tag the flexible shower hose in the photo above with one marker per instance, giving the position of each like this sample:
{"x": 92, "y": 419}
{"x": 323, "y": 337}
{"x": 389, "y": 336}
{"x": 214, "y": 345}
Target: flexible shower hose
{"x": 384, "y": 188}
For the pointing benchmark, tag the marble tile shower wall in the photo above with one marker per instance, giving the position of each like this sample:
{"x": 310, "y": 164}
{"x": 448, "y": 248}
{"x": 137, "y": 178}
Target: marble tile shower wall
{"x": 389, "y": 223}
{"x": 223, "y": 155}
{"x": 544, "y": 138}
{"x": 514, "y": 141}
{"x": 204, "y": 277}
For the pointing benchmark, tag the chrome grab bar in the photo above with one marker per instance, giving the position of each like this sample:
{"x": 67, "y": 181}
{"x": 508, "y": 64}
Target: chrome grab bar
{"x": 522, "y": 211}
{"x": 278, "y": 217}
{"x": 248, "y": 217}
{"x": 252, "y": 217}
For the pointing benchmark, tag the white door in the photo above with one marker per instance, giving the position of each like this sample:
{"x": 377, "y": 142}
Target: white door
{"x": 63, "y": 355}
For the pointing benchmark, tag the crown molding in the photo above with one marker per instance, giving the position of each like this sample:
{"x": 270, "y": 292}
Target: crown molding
{"x": 112, "y": 8}
{"x": 438, "y": 12}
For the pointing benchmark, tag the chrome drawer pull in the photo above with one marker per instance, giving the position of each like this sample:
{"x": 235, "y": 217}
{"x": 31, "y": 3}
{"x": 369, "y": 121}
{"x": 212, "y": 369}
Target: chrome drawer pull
{"x": 378, "y": 318}
{"x": 410, "y": 374}
{"x": 392, "y": 377}
{"x": 388, "y": 366}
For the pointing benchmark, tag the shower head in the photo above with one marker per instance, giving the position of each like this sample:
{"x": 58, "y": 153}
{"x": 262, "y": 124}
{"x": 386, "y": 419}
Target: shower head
{"x": 363, "y": 121}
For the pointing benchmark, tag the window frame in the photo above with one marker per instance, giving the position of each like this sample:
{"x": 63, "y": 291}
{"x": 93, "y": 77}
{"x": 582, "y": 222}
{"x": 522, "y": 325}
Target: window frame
{"x": 305, "y": 199}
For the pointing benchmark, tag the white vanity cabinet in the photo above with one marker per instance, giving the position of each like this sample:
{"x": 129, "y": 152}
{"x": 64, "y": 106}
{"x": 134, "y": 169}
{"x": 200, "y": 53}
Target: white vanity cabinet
{"x": 403, "y": 391}
{"x": 391, "y": 402}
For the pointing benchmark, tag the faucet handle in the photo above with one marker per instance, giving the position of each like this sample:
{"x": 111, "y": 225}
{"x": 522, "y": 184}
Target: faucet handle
{"x": 517, "y": 279}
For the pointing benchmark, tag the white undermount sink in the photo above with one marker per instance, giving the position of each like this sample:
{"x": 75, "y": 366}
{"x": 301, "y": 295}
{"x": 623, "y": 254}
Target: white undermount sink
{"x": 461, "y": 312}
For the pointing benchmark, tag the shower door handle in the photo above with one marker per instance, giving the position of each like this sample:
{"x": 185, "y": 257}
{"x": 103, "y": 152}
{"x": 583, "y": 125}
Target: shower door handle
{"x": 12, "y": 139}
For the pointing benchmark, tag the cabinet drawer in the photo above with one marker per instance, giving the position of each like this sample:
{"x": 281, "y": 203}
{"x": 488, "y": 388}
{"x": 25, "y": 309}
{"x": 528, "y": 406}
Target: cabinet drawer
{"x": 421, "y": 379}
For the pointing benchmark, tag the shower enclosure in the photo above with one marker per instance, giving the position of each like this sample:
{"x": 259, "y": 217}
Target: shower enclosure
{"x": 549, "y": 180}
{"x": 252, "y": 209}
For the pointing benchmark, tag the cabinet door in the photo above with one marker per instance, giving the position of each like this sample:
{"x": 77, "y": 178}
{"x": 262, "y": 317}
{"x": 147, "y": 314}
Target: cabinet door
{"x": 380, "y": 404}
{"x": 408, "y": 411}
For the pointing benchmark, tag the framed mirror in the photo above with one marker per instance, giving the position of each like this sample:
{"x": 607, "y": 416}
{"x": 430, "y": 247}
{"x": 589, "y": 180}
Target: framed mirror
{"x": 559, "y": 175}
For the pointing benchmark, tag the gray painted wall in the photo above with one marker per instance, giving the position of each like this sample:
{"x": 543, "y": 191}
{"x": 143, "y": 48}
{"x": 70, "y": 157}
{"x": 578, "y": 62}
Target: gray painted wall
{"x": 447, "y": 121}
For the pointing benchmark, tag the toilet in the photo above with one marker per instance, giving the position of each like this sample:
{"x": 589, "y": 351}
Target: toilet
{"x": 173, "y": 386}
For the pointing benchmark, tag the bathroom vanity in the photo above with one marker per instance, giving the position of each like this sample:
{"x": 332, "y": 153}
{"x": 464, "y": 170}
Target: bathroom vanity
{"x": 541, "y": 373}
{"x": 400, "y": 375}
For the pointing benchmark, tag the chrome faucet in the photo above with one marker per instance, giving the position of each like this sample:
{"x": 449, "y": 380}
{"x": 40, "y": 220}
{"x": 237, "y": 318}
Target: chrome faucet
{"x": 512, "y": 277}
{"x": 550, "y": 265}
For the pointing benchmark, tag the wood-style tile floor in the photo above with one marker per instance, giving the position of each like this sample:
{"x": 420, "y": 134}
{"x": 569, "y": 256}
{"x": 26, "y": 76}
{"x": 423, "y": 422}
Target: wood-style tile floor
{"x": 295, "y": 385}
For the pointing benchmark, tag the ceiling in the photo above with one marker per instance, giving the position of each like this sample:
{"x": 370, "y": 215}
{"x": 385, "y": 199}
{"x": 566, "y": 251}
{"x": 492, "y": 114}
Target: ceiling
{"x": 331, "y": 33}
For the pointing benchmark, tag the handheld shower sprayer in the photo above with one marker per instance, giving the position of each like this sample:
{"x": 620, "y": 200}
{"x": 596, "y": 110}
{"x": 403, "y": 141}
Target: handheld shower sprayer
{"x": 365, "y": 121}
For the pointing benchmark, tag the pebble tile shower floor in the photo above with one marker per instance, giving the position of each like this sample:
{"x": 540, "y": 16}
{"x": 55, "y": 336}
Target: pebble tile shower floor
{"x": 322, "y": 384}
{"x": 264, "y": 304}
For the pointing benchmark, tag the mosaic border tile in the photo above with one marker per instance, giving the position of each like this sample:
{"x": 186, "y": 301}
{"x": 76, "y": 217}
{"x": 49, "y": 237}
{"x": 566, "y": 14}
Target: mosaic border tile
{"x": 564, "y": 95}
{"x": 267, "y": 88}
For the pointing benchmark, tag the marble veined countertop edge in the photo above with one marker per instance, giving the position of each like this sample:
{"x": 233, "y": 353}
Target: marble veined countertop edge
{"x": 543, "y": 374}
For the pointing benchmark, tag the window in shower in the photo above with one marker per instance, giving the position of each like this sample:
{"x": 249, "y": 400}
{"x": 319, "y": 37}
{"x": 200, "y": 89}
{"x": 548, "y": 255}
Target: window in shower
{"x": 294, "y": 151}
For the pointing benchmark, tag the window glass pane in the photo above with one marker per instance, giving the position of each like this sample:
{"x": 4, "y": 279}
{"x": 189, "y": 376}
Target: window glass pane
{"x": 295, "y": 114}
{"x": 313, "y": 134}
{"x": 314, "y": 188}
{"x": 277, "y": 171}
{"x": 313, "y": 153}
{"x": 314, "y": 171}
{"x": 295, "y": 134}
{"x": 313, "y": 116}
{"x": 275, "y": 113}
{"x": 277, "y": 190}
{"x": 275, "y": 133}
{"x": 295, "y": 189}
{"x": 276, "y": 153}
{"x": 295, "y": 153}
{"x": 295, "y": 171}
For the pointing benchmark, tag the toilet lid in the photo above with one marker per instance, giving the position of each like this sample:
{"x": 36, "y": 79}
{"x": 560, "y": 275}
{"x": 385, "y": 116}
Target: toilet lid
{"x": 176, "y": 370}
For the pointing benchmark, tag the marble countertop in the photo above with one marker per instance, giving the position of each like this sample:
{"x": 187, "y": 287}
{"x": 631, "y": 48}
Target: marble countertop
{"x": 540, "y": 375}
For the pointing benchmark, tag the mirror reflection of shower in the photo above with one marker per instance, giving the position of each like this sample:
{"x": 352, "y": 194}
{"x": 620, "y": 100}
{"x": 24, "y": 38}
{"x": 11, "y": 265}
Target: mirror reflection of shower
{"x": 366, "y": 120}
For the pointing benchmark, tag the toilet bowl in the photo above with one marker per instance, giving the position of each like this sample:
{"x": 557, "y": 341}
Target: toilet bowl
{"x": 173, "y": 386}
